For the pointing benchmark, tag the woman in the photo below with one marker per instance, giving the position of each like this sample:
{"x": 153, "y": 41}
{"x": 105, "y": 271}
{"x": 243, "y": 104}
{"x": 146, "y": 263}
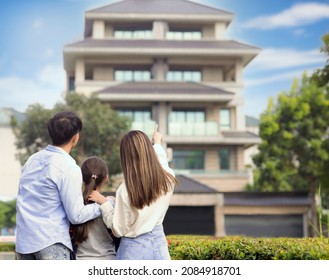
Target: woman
{"x": 142, "y": 200}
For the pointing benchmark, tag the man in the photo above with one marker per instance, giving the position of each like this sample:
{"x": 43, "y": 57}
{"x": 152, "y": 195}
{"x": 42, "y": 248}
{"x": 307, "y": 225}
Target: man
{"x": 50, "y": 197}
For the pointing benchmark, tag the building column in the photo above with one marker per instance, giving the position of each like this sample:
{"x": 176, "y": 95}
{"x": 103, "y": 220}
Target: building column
{"x": 98, "y": 29}
{"x": 160, "y": 29}
{"x": 162, "y": 117}
{"x": 159, "y": 69}
{"x": 239, "y": 71}
{"x": 219, "y": 216}
{"x": 79, "y": 71}
{"x": 240, "y": 117}
{"x": 220, "y": 29}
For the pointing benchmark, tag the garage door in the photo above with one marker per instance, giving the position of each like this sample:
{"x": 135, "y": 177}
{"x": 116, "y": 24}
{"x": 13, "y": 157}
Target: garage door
{"x": 264, "y": 225}
{"x": 190, "y": 220}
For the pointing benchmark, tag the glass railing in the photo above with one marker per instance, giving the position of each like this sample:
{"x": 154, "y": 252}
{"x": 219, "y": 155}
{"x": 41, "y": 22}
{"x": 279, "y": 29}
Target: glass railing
{"x": 146, "y": 126}
{"x": 211, "y": 172}
{"x": 193, "y": 129}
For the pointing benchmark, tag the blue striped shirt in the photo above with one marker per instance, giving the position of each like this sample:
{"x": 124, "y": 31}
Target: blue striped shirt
{"x": 49, "y": 198}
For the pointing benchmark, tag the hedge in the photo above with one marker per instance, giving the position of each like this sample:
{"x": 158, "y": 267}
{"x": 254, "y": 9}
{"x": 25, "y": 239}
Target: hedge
{"x": 7, "y": 247}
{"x": 239, "y": 248}
{"x": 247, "y": 248}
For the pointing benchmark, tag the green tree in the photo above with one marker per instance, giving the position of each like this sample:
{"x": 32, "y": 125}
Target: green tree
{"x": 100, "y": 135}
{"x": 321, "y": 76}
{"x": 294, "y": 151}
{"x": 7, "y": 214}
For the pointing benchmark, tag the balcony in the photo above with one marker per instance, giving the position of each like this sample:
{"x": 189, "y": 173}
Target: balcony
{"x": 193, "y": 129}
{"x": 146, "y": 126}
{"x": 215, "y": 173}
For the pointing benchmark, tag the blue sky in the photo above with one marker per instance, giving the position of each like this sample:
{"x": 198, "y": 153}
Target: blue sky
{"x": 34, "y": 32}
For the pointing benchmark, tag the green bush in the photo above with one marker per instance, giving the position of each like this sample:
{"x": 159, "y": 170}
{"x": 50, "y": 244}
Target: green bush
{"x": 7, "y": 247}
{"x": 247, "y": 248}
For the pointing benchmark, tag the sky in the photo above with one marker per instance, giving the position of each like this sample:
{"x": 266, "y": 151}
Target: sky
{"x": 34, "y": 32}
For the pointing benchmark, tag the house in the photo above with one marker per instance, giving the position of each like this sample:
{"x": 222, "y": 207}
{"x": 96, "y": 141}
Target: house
{"x": 169, "y": 63}
{"x": 10, "y": 167}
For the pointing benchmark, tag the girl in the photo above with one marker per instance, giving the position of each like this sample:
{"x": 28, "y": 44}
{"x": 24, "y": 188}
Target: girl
{"x": 142, "y": 200}
{"x": 92, "y": 239}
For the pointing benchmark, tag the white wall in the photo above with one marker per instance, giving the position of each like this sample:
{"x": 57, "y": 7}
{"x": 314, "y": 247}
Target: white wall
{"x": 10, "y": 168}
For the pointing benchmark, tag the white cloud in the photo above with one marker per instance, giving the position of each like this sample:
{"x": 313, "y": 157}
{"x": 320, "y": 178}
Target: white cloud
{"x": 52, "y": 75}
{"x": 270, "y": 59}
{"x": 287, "y": 76}
{"x": 37, "y": 24}
{"x": 46, "y": 89}
{"x": 297, "y": 15}
{"x": 49, "y": 52}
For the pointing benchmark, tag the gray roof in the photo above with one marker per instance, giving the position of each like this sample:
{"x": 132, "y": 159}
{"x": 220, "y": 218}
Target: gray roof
{"x": 251, "y": 121}
{"x": 188, "y": 185}
{"x": 7, "y": 113}
{"x": 89, "y": 43}
{"x": 158, "y": 7}
{"x": 154, "y": 87}
{"x": 267, "y": 199}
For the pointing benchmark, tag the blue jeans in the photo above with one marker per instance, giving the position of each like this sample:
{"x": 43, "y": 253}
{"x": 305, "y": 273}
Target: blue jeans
{"x": 54, "y": 252}
{"x": 152, "y": 245}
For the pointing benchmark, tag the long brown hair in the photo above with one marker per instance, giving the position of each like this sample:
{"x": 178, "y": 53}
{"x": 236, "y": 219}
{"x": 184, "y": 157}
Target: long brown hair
{"x": 145, "y": 178}
{"x": 94, "y": 171}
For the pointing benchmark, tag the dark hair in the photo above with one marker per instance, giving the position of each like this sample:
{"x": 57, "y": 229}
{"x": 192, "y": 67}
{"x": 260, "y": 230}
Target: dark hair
{"x": 63, "y": 126}
{"x": 94, "y": 171}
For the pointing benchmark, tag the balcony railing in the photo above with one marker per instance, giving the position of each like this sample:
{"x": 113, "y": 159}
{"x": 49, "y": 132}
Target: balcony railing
{"x": 229, "y": 173}
{"x": 193, "y": 129}
{"x": 146, "y": 126}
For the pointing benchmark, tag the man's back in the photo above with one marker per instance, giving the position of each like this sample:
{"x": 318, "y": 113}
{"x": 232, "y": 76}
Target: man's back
{"x": 41, "y": 216}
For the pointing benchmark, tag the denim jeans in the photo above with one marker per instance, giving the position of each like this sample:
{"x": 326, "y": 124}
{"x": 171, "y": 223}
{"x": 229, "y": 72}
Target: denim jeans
{"x": 152, "y": 245}
{"x": 54, "y": 252}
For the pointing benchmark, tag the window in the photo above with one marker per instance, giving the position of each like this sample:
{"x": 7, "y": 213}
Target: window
{"x": 188, "y": 159}
{"x": 190, "y": 116}
{"x": 186, "y": 76}
{"x": 132, "y": 75}
{"x": 183, "y": 35}
{"x": 133, "y": 34}
{"x": 137, "y": 115}
{"x": 225, "y": 119}
{"x": 224, "y": 159}
{"x": 71, "y": 83}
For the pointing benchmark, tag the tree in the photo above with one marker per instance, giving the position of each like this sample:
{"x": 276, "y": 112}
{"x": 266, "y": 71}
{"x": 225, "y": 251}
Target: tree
{"x": 321, "y": 76}
{"x": 7, "y": 214}
{"x": 294, "y": 151}
{"x": 100, "y": 135}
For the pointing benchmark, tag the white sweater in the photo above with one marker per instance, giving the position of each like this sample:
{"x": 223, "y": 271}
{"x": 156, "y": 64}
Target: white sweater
{"x": 128, "y": 221}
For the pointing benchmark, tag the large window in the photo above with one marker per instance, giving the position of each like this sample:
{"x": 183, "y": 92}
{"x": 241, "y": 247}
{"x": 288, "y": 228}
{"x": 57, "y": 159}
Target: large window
{"x": 132, "y": 75}
{"x": 183, "y": 35}
{"x": 189, "y": 116}
{"x": 224, "y": 159}
{"x": 137, "y": 115}
{"x": 225, "y": 119}
{"x": 188, "y": 160}
{"x": 71, "y": 83}
{"x": 133, "y": 34}
{"x": 184, "y": 76}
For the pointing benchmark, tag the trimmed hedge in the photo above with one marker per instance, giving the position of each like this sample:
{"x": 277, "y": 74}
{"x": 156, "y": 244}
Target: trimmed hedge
{"x": 247, "y": 248}
{"x": 238, "y": 248}
{"x": 7, "y": 247}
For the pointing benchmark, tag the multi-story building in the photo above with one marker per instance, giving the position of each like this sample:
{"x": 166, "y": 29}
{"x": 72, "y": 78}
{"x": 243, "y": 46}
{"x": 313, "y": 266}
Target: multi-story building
{"x": 168, "y": 62}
